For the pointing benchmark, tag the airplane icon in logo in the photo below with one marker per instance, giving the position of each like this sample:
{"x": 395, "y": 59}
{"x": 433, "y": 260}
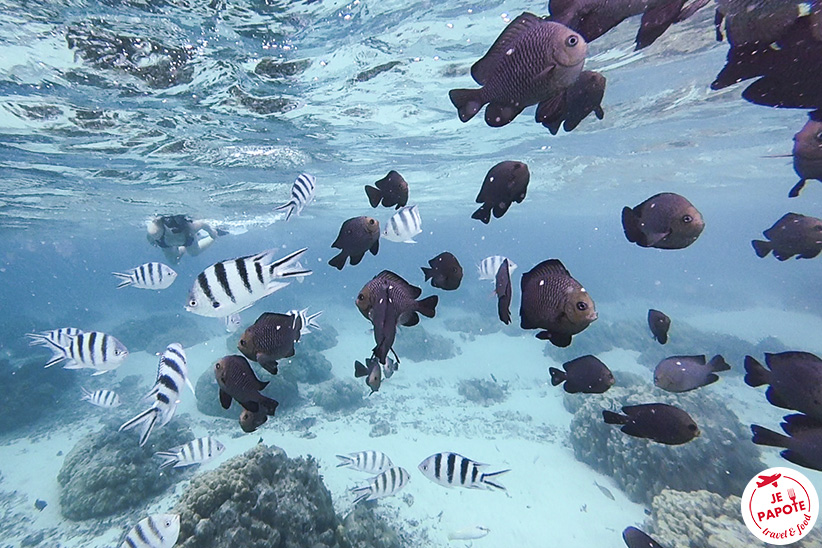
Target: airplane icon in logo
{"x": 767, "y": 480}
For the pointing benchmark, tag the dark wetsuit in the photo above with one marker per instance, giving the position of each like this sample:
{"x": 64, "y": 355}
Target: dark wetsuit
{"x": 176, "y": 224}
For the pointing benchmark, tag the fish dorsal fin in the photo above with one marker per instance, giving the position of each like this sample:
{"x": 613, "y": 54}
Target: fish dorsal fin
{"x": 387, "y": 275}
{"x": 483, "y": 69}
{"x": 552, "y": 266}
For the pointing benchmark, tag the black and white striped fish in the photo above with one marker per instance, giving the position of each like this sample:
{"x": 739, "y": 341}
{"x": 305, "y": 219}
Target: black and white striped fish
{"x": 453, "y": 470}
{"x": 229, "y": 287}
{"x": 404, "y": 225}
{"x": 147, "y": 276}
{"x": 302, "y": 193}
{"x": 383, "y": 485}
{"x": 489, "y": 267}
{"x": 372, "y": 462}
{"x": 172, "y": 373}
{"x": 157, "y": 531}
{"x": 101, "y": 398}
{"x": 60, "y": 337}
{"x": 88, "y": 350}
{"x": 307, "y": 322}
{"x": 197, "y": 451}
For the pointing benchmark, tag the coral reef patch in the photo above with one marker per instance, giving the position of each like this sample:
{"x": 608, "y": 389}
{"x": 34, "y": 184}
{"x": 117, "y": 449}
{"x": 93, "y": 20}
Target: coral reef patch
{"x": 722, "y": 458}
{"x": 107, "y": 472}
{"x": 417, "y": 344}
{"x": 263, "y": 499}
{"x": 339, "y": 395}
{"x": 482, "y": 391}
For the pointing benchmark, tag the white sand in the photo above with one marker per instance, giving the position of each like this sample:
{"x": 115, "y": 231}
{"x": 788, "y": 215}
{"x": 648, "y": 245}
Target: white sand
{"x": 551, "y": 498}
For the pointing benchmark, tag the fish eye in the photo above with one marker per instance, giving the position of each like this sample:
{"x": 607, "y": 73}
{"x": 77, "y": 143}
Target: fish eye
{"x": 371, "y": 221}
{"x": 217, "y": 365}
{"x": 687, "y": 219}
{"x": 242, "y": 342}
{"x": 572, "y": 41}
{"x": 192, "y": 302}
{"x": 360, "y": 297}
{"x": 582, "y": 305}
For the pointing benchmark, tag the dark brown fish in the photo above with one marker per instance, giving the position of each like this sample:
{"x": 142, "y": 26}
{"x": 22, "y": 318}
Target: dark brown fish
{"x": 505, "y": 183}
{"x": 793, "y": 234}
{"x": 356, "y": 236}
{"x": 593, "y": 18}
{"x": 586, "y": 374}
{"x": 249, "y": 421}
{"x": 634, "y": 538}
{"x": 531, "y": 61}
{"x": 445, "y": 271}
{"x": 788, "y": 72}
{"x": 392, "y": 190}
{"x": 503, "y": 292}
{"x": 807, "y": 153}
{"x": 795, "y": 380}
{"x": 659, "y": 324}
{"x": 570, "y": 109}
{"x": 554, "y": 301}
{"x": 761, "y": 21}
{"x": 663, "y": 221}
{"x": 388, "y": 301}
{"x": 659, "y": 422}
{"x": 803, "y": 444}
{"x": 271, "y": 338}
{"x": 372, "y": 373}
{"x": 684, "y": 373}
{"x": 238, "y": 381}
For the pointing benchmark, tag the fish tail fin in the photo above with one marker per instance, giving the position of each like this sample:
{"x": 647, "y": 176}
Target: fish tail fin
{"x": 58, "y": 353}
{"x": 484, "y": 479}
{"x": 755, "y": 373}
{"x": 125, "y": 279}
{"x": 360, "y": 370}
{"x": 345, "y": 460}
{"x": 468, "y": 102}
{"x": 763, "y": 436}
{"x": 37, "y": 339}
{"x": 427, "y": 307}
{"x": 288, "y": 266}
{"x": 483, "y": 214}
{"x": 364, "y": 493}
{"x": 656, "y": 21}
{"x": 338, "y": 261}
{"x": 147, "y": 419}
{"x": 557, "y": 376}
{"x": 429, "y": 272}
{"x": 761, "y": 247}
{"x": 614, "y": 418}
{"x": 631, "y": 226}
{"x": 169, "y": 458}
{"x": 374, "y": 195}
{"x": 86, "y": 394}
{"x": 718, "y": 363}
{"x": 309, "y": 320}
{"x": 291, "y": 205}
{"x": 797, "y": 188}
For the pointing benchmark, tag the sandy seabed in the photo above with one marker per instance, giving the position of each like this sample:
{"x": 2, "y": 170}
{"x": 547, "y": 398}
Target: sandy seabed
{"x": 551, "y": 498}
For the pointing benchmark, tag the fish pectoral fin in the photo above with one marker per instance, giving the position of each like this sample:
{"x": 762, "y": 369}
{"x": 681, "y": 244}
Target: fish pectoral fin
{"x": 225, "y": 399}
{"x": 654, "y": 238}
{"x": 413, "y": 319}
{"x": 656, "y": 21}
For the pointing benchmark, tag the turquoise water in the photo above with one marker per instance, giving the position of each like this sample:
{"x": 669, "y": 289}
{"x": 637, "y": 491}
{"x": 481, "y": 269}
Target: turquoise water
{"x": 113, "y": 112}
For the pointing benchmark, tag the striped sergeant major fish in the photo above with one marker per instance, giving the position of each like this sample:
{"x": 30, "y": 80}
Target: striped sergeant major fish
{"x": 147, "y": 276}
{"x": 371, "y": 462}
{"x": 172, "y": 374}
{"x": 229, "y": 287}
{"x": 101, "y": 398}
{"x": 60, "y": 337}
{"x": 404, "y": 225}
{"x": 306, "y": 322}
{"x": 89, "y": 350}
{"x": 198, "y": 451}
{"x": 157, "y": 531}
{"x": 302, "y": 193}
{"x": 489, "y": 267}
{"x": 384, "y": 485}
{"x": 453, "y": 470}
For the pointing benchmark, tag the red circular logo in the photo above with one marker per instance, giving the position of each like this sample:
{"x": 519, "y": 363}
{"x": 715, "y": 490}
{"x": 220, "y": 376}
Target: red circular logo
{"x": 780, "y": 506}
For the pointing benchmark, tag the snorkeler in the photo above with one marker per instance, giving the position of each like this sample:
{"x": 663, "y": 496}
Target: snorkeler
{"x": 178, "y": 234}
